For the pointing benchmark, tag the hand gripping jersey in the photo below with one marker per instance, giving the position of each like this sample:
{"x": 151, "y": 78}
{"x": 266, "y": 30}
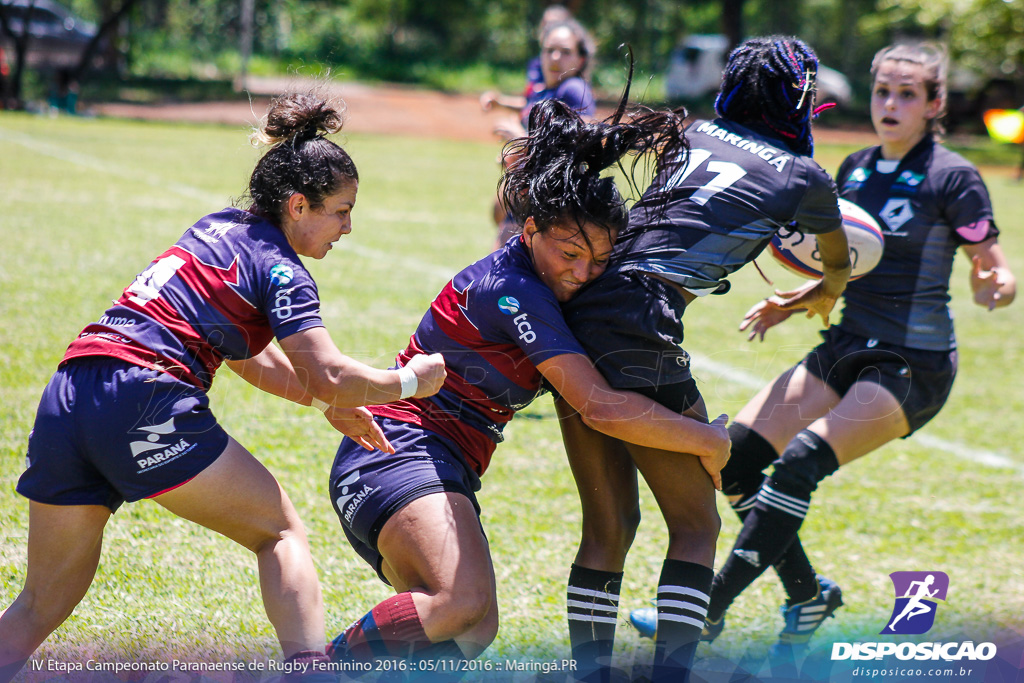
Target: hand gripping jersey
{"x": 494, "y": 323}
{"x": 927, "y": 205}
{"x": 223, "y": 291}
{"x": 698, "y": 223}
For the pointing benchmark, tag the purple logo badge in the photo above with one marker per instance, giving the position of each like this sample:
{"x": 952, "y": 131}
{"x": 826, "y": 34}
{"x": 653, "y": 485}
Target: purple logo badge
{"x": 917, "y": 595}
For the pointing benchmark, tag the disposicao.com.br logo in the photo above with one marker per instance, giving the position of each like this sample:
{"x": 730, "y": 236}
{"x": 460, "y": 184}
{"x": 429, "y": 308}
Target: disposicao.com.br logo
{"x": 917, "y": 597}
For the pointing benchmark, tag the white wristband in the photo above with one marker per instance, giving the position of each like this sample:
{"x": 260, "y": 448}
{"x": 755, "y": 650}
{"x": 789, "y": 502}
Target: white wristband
{"x": 322, "y": 406}
{"x": 409, "y": 381}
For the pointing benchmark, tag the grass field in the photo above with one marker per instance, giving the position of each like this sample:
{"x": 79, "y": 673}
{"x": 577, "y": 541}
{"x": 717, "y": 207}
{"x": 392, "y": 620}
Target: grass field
{"x": 86, "y": 205}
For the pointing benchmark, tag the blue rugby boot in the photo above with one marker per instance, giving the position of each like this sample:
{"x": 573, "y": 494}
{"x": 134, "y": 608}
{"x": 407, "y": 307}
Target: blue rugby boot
{"x": 645, "y": 620}
{"x": 804, "y": 618}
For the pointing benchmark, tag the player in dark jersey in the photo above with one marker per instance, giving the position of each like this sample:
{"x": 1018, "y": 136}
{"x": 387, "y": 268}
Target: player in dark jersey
{"x": 414, "y": 515}
{"x": 126, "y": 416}
{"x": 749, "y": 173}
{"x": 888, "y": 367}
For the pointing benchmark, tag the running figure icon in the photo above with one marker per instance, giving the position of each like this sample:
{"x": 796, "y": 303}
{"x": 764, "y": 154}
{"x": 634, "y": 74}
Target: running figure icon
{"x": 917, "y": 595}
{"x": 916, "y": 605}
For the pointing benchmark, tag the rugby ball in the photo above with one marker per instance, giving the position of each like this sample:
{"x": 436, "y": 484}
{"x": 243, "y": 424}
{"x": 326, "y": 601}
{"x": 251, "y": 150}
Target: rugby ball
{"x": 798, "y": 252}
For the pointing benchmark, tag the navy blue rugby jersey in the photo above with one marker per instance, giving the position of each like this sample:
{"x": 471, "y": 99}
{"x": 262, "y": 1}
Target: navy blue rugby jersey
{"x": 494, "y": 323}
{"x": 223, "y": 291}
{"x": 697, "y": 224}
{"x": 927, "y": 205}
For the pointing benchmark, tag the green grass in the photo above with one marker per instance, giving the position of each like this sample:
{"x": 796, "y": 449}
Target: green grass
{"x": 87, "y": 204}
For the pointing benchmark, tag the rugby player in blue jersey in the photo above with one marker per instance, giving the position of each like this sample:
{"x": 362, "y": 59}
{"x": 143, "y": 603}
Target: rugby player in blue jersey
{"x": 888, "y": 367}
{"x": 413, "y": 515}
{"x": 127, "y": 415}
{"x": 749, "y": 173}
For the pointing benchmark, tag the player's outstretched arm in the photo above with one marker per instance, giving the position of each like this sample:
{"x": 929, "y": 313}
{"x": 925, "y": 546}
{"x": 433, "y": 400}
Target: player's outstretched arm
{"x": 343, "y": 382}
{"x": 632, "y": 417}
{"x": 272, "y": 372}
{"x": 992, "y": 281}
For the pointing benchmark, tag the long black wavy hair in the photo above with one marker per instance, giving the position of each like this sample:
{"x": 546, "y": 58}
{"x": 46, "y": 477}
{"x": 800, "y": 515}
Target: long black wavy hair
{"x": 770, "y": 82}
{"x": 554, "y": 173}
{"x": 300, "y": 158}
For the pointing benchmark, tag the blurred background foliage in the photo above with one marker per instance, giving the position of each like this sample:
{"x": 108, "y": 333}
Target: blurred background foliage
{"x": 470, "y": 45}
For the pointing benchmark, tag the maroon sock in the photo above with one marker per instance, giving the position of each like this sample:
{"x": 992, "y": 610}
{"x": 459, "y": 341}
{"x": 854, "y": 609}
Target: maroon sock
{"x": 391, "y": 629}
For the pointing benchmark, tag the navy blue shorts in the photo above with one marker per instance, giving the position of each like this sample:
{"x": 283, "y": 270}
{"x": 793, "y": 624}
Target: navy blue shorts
{"x": 630, "y": 324}
{"x": 108, "y": 431}
{"x": 368, "y": 487}
{"x": 920, "y": 380}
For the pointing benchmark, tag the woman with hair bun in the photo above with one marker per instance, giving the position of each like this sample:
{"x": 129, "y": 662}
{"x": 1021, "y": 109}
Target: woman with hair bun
{"x": 127, "y": 416}
{"x": 413, "y": 515}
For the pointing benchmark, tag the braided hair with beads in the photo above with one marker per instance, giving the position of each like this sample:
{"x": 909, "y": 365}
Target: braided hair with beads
{"x": 770, "y": 82}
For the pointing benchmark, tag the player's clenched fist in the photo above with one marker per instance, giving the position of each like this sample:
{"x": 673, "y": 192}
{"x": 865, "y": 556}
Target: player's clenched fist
{"x": 430, "y": 373}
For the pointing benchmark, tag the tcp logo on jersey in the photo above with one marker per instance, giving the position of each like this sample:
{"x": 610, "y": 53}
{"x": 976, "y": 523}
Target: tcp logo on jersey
{"x": 509, "y": 305}
{"x": 281, "y": 274}
{"x": 856, "y": 178}
{"x": 917, "y": 598}
{"x": 907, "y": 182}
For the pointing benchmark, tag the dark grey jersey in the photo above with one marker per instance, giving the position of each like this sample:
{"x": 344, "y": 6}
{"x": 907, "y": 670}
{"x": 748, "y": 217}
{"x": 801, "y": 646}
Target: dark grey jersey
{"x": 927, "y": 205}
{"x": 696, "y": 224}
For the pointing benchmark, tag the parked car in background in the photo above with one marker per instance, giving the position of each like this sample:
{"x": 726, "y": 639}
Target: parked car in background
{"x": 56, "y": 36}
{"x": 696, "y": 65}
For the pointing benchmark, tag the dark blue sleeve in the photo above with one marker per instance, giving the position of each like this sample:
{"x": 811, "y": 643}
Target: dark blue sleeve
{"x": 287, "y": 294}
{"x": 576, "y": 93}
{"x": 525, "y": 311}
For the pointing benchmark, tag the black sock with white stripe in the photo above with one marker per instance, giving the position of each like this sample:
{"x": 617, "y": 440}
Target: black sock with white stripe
{"x": 682, "y": 607}
{"x": 794, "y": 568}
{"x": 771, "y": 525}
{"x": 768, "y": 529}
{"x": 592, "y": 602}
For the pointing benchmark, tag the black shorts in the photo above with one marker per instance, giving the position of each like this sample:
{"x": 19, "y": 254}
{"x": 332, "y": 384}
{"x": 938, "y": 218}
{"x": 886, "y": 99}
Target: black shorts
{"x": 368, "y": 487}
{"x": 630, "y": 324}
{"x": 920, "y": 380}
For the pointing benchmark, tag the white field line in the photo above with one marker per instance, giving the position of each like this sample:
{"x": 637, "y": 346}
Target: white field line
{"x": 190, "y": 192}
{"x": 92, "y": 163}
{"x": 963, "y": 451}
{"x": 723, "y": 370}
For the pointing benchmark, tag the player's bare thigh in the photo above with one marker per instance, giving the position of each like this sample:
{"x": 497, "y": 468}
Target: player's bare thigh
{"x": 791, "y": 403}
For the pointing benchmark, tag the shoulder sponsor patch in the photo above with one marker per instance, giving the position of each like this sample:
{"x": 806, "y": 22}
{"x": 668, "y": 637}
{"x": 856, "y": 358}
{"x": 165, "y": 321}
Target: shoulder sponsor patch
{"x": 281, "y": 274}
{"x": 508, "y": 305}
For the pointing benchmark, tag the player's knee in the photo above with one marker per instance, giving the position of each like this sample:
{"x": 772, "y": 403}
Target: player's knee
{"x": 268, "y": 538}
{"x": 612, "y": 529}
{"x": 40, "y": 612}
{"x": 696, "y": 529}
{"x": 751, "y": 454}
{"x": 807, "y": 460}
{"x": 463, "y": 608}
